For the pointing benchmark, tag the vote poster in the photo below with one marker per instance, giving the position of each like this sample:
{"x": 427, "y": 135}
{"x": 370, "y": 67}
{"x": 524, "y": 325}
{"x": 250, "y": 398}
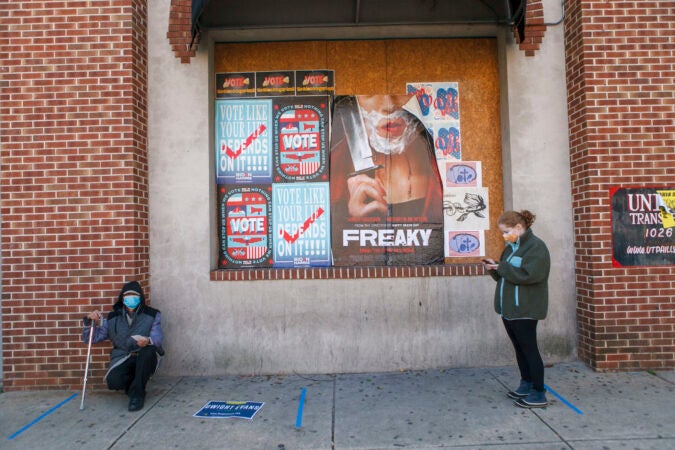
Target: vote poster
{"x": 385, "y": 187}
{"x": 243, "y": 141}
{"x": 235, "y": 84}
{"x": 643, "y": 227}
{"x": 301, "y": 224}
{"x": 315, "y": 82}
{"x": 301, "y": 139}
{"x": 245, "y": 223}
{"x": 273, "y": 84}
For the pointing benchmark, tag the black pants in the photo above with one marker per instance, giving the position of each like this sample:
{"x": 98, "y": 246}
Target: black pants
{"x": 133, "y": 374}
{"x": 523, "y": 335}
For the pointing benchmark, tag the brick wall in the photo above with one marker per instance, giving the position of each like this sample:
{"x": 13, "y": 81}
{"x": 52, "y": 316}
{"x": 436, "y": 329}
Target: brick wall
{"x": 620, "y": 72}
{"x": 534, "y": 28}
{"x": 180, "y": 30}
{"x": 74, "y": 178}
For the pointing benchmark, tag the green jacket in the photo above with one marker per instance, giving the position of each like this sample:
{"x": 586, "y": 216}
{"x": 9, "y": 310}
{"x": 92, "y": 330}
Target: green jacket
{"x": 522, "y": 279}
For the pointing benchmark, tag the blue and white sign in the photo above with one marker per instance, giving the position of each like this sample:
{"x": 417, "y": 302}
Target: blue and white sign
{"x": 226, "y": 410}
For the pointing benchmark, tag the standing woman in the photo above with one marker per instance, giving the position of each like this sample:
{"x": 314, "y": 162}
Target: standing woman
{"x": 521, "y": 298}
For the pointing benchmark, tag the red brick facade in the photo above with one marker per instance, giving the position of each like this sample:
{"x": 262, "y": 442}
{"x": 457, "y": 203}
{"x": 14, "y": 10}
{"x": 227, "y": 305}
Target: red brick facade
{"x": 621, "y": 99}
{"x": 534, "y": 28}
{"x": 180, "y": 30}
{"x": 74, "y": 178}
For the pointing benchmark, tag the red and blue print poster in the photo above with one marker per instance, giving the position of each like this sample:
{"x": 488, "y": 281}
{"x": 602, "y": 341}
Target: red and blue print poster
{"x": 243, "y": 141}
{"x": 301, "y": 224}
{"x": 300, "y": 139}
{"x": 245, "y": 214}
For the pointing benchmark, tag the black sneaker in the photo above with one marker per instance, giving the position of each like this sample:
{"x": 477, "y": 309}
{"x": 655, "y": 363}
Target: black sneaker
{"x": 522, "y": 391}
{"x": 535, "y": 399}
{"x": 135, "y": 403}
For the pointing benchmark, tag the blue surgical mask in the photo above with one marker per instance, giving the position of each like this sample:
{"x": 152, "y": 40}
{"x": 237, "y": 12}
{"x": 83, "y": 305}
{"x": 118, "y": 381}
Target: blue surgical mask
{"x": 132, "y": 301}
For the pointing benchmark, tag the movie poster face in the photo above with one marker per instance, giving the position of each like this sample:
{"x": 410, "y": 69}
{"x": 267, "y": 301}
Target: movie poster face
{"x": 243, "y": 141}
{"x": 300, "y": 139}
{"x": 643, "y": 226}
{"x": 245, "y": 218}
{"x": 386, "y": 191}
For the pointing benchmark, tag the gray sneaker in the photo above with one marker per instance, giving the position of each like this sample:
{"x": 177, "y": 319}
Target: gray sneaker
{"x": 522, "y": 391}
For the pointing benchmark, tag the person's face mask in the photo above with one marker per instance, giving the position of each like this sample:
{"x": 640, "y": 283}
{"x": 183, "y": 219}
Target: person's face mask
{"x": 132, "y": 301}
{"x": 510, "y": 237}
{"x": 510, "y": 234}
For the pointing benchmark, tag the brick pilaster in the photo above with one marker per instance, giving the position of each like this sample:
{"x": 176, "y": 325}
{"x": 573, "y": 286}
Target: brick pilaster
{"x": 620, "y": 71}
{"x": 74, "y": 178}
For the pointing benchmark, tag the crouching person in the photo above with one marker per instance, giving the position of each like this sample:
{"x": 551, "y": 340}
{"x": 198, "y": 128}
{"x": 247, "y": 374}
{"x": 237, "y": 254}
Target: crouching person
{"x": 135, "y": 331}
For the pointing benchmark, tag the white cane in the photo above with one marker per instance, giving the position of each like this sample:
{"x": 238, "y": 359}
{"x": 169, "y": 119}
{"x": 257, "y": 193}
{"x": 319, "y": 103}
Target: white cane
{"x": 86, "y": 369}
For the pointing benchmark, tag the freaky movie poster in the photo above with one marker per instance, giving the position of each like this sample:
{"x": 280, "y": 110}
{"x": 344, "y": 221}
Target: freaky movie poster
{"x": 244, "y": 215}
{"x": 272, "y": 168}
{"x": 386, "y": 191}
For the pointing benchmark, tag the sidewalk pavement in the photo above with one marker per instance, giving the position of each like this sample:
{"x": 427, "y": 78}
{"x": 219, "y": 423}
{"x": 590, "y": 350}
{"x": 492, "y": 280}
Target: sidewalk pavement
{"x": 429, "y": 409}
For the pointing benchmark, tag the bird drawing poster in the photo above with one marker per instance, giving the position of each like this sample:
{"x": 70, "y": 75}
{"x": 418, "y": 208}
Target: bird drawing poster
{"x": 466, "y": 209}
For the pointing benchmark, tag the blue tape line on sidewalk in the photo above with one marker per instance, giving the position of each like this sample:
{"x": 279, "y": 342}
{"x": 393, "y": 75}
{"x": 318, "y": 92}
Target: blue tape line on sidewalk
{"x": 301, "y": 406}
{"x": 562, "y": 399}
{"x": 42, "y": 416}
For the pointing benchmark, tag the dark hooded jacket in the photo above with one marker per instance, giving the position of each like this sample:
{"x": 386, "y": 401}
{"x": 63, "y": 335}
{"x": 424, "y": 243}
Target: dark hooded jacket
{"x": 146, "y": 321}
{"x": 522, "y": 279}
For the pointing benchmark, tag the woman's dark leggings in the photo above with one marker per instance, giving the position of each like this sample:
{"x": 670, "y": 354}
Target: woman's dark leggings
{"x": 523, "y": 335}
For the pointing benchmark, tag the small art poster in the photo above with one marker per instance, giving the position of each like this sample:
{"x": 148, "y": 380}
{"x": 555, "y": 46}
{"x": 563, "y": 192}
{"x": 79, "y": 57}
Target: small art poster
{"x": 301, "y": 139}
{"x": 301, "y": 223}
{"x": 466, "y": 209}
{"x": 447, "y": 140}
{"x": 243, "y": 141}
{"x": 245, "y": 214}
{"x": 464, "y": 244}
{"x": 462, "y": 174}
{"x": 437, "y": 100}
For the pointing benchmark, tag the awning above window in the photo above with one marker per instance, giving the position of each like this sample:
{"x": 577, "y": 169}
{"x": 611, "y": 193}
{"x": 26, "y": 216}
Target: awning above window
{"x": 228, "y": 14}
